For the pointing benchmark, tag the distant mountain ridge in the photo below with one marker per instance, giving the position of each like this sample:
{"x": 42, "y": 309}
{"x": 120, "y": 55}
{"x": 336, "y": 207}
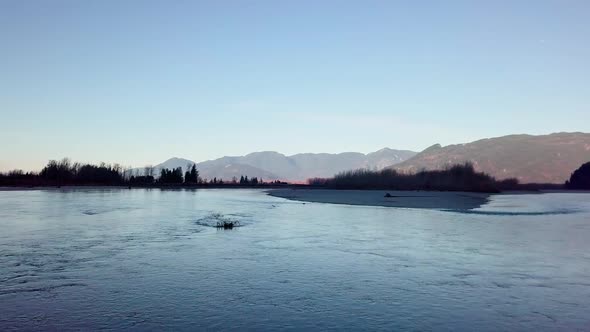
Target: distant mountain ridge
{"x": 270, "y": 165}
{"x": 531, "y": 159}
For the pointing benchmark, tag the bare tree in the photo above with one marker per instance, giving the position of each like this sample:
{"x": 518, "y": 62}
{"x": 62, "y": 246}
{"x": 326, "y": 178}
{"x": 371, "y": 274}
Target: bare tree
{"x": 117, "y": 168}
{"x": 148, "y": 170}
{"x": 127, "y": 173}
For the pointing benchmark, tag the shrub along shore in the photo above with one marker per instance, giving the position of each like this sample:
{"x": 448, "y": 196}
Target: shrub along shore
{"x": 455, "y": 178}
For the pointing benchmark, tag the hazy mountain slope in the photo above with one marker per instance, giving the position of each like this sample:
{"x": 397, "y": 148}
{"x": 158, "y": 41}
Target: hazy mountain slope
{"x": 270, "y": 165}
{"x": 230, "y": 170}
{"x": 223, "y": 168}
{"x": 541, "y": 159}
{"x": 173, "y": 163}
{"x": 325, "y": 164}
{"x": 387, "y": 157}
{"x": 303, "y": 166}
{"x": 273, "y": 162}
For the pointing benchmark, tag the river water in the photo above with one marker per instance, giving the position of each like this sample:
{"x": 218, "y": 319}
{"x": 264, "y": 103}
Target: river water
{"x": 151, "y": 260}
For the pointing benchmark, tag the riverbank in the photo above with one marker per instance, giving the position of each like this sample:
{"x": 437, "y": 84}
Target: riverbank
{"x": 453, "y": 200}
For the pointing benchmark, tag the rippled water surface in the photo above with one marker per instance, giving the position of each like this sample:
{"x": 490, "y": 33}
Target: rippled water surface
{"x": 150, "y": 259}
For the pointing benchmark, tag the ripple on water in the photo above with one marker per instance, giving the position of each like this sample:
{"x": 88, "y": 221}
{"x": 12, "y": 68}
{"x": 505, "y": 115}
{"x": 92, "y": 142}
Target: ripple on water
{"x": 43, "y": 289}
{"x": 213, "y": 219}
{"x": 95, "y": 211}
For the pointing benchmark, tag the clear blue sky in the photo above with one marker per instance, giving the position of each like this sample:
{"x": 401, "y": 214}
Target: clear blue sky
{"x": 136, "y": 82}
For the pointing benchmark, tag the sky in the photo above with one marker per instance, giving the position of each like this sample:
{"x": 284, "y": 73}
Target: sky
{"x": 138, "y": 82}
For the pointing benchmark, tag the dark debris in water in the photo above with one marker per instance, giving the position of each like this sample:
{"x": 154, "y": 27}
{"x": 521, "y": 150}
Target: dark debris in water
{"x": 219, "y": 221}
{"x": 227, "y": 225}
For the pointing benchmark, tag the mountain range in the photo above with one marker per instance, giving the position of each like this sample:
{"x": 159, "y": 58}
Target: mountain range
{"x": 531, "y": 159}
{"x": 270, "y": 165}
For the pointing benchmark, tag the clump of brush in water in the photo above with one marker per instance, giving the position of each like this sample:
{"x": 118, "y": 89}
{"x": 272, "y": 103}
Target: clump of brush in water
{"x": 227, "y": 224}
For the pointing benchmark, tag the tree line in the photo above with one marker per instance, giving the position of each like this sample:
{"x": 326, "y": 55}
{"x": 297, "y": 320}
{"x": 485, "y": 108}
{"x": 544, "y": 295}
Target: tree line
{"x": 580, "y": 178}
{"x": 454, "y": 178}
{"x": 457, "y": 178}
{"x": 65, "y": 172}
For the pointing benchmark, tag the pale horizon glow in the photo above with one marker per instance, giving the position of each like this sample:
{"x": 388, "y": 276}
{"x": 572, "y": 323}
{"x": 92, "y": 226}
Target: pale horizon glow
{"x": 138, "y": 82}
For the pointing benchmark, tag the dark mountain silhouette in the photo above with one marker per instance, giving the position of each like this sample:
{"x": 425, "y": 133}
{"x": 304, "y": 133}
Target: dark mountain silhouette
{"x": 530, "y": 159}
{"x": 270, "y": 165}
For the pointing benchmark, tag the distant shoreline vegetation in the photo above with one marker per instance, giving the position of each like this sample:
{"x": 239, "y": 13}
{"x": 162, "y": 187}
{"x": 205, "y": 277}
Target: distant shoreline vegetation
{"x": 580, "y": 178}
{"x": 64, "y": 173}
{"x": 462, "y": 177}
{"x": 454, "y": 178}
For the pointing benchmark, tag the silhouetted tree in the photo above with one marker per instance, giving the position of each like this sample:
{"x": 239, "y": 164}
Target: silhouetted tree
{"x": 18, "y": 177}
{"x": 141, "y": 180}
{"x": 64, "y": 172}
{"x": 317, "y": 181}
{"x": 60, "y": 172}
{"x": 457, "y": 178}
{"x": 508, "y": 184}
{"x": 580, "y": 178}
{"x": 171, "y": 176}
{"x": 104, "y": 174}
{"x": 191, "y": 175}
{"x": 194, "y": 173}
{"x": 148, "y": 170}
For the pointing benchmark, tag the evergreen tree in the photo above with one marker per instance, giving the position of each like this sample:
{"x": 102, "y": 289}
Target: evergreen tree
{"x": 194, "y": 174}
{"x": 171, "y": 176}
